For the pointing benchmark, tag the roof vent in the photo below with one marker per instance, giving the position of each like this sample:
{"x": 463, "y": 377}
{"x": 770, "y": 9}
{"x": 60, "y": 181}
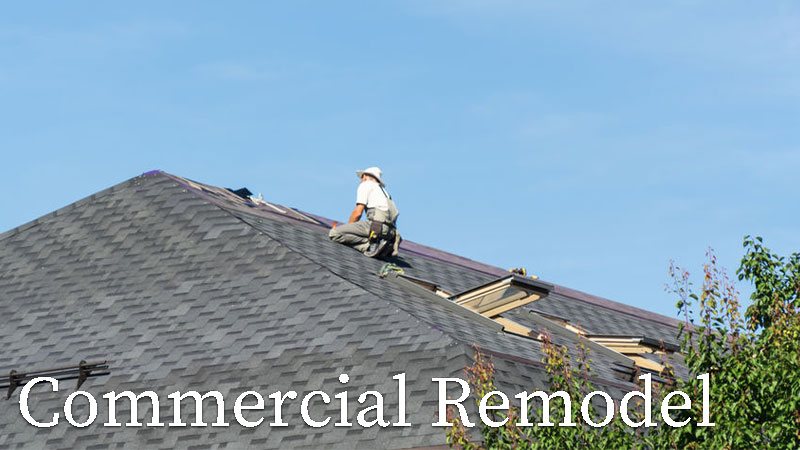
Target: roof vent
{"x": 242, "y": 192}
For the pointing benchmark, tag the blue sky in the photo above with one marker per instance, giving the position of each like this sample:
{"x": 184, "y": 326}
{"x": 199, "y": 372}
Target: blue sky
{"x": 590, "y": 142}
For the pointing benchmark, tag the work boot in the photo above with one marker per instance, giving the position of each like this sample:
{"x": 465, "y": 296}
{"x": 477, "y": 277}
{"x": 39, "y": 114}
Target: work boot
{"x": 376, "y": 248}
{"x": 387, "y": 251}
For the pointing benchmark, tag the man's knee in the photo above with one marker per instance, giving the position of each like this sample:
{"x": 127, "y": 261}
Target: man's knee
{"x": 334, "y": 234}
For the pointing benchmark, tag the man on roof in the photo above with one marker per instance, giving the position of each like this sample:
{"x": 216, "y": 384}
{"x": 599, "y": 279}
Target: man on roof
{"x": 377, "y": 236}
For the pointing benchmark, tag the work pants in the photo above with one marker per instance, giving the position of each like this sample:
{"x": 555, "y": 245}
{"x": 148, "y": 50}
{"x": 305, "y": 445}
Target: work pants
{"x": 354, "y": 234}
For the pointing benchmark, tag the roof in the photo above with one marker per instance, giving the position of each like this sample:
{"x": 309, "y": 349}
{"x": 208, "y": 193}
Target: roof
{"x": 185, "y": 286}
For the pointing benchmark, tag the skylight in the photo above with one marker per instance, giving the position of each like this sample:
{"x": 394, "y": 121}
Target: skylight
{"x": 496, "y": 297}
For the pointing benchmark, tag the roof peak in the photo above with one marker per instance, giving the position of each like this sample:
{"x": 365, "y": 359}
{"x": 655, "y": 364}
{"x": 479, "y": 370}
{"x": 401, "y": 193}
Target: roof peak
{"x": 223, "y": 198}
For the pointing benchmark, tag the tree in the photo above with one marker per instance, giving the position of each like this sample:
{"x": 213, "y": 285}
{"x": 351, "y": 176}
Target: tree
{"x": 753, "y": 359}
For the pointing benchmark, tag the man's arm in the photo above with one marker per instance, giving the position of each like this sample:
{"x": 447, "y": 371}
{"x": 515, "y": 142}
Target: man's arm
{"x": 357, "y": 211}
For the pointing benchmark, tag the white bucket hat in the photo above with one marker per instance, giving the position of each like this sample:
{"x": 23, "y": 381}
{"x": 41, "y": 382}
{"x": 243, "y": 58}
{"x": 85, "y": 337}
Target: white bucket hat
{"x": 372, "y": 171}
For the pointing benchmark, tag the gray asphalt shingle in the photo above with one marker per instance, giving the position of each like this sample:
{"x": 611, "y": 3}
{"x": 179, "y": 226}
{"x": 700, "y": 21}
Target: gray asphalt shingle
{"x": 182, "y": 286}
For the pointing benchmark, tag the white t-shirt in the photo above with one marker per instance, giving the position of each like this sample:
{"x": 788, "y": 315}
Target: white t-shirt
{"x": 371, "y": 195}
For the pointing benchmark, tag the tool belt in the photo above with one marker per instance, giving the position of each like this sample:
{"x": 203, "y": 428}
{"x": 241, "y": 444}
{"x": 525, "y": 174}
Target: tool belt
{"x": 376, "y": 231}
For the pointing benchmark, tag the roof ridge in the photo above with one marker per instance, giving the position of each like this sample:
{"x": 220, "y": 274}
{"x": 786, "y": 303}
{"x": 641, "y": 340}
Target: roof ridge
{"x": 407, "y": 246}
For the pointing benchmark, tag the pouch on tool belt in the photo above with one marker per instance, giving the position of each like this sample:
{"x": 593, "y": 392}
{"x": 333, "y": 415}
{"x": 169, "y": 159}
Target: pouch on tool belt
{"x": 375, "y": 230}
